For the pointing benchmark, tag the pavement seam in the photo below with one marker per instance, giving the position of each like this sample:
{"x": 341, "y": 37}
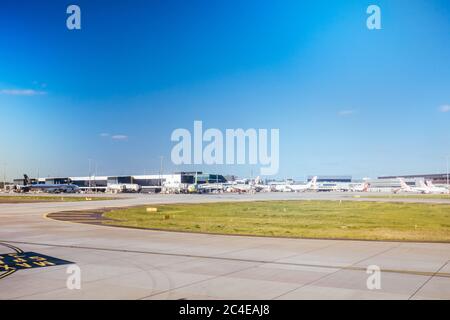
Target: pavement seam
{"x": 333, "y": 273}
{"x": 197, "y": 282}
{"x": 445, "y": 275}
{"x": 169, "y": 290}
{"x": 257, "y": 265}
{"x": 103, "y": 279}
{"x": 428, "y": 280}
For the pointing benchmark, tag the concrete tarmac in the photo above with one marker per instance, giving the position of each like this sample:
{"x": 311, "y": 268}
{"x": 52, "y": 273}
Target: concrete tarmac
{"x": 120, "y": 263}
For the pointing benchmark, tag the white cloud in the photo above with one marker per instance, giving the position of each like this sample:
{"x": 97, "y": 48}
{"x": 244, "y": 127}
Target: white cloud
{"x": 39, "y": 84}
{"x": 116, "y": 137}
{"x": 22, "y": 92}
{"x": 119, "y": 137}
{"x": 344, "y": 113}
{"x": 444, "y": 108}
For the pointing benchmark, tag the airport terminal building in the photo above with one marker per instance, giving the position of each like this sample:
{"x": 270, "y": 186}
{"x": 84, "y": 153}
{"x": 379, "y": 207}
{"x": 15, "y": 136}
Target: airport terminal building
{"x": 147, "y": 183}
{"x": 435, "y": 178}
{"x": 392, "y": 183}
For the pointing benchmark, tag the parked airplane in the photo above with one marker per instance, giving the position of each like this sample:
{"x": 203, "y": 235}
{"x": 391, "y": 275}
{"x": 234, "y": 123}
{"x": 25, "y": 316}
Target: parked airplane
{"x": 434, "y": 189}
{"x": 311, "y": 185}
{"x": 362, "y": 187}
{"x": 244, "y": 188}
{"x": 280, "y": 187}
{"x": 211, "y": 187}
{"x": 407, "y": 188}
{"x": 51, "y": 188}
{"x": 246, "y": 185}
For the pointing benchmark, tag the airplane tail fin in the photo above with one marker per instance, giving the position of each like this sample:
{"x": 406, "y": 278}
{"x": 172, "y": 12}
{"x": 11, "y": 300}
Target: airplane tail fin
{"x": 366, "y": 187}
{"x": 26, "y": 180}
{"x": 312, "y": 182}
{"x": 423, "y": 184}
{"x": 403, "y": 183}
{"x": 429, "y": 183}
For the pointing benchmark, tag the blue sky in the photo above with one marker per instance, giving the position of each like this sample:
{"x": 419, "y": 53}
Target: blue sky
{"x": 347, "y": 100}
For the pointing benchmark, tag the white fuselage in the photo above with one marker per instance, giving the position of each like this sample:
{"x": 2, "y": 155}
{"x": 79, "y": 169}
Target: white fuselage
{"x": 289, "y": 187}
{"x": 438, "y": 190}
{"x": 123, "y": 187}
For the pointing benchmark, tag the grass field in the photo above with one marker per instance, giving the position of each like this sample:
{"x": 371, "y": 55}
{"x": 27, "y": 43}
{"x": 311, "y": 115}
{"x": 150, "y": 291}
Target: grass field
{"x": 303, "y": 219}
{"x": 27, "y": 199}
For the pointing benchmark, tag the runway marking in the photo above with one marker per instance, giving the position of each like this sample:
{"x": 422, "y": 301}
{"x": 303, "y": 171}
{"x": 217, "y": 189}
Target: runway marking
{"x": 351, "y": 267}
{"x": 20, "y": 260}
{"x": 16, "y": 249}
{"x": 8, "y": 273}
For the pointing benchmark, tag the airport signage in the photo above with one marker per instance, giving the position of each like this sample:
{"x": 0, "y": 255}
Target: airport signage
{"x": 28, "y": 260}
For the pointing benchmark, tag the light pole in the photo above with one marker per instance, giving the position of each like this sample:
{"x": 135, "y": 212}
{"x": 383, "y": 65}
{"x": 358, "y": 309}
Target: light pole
{"x": 4, "y": 176}
{"x": 90, "y": 160}
{"x": 161, "y": 170}
{"x": 447, "y": 157}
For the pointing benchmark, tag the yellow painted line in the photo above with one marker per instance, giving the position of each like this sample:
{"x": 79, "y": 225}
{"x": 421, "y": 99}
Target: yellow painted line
{"x": 7, "y": 274}
{"x": 18, "y": 250}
